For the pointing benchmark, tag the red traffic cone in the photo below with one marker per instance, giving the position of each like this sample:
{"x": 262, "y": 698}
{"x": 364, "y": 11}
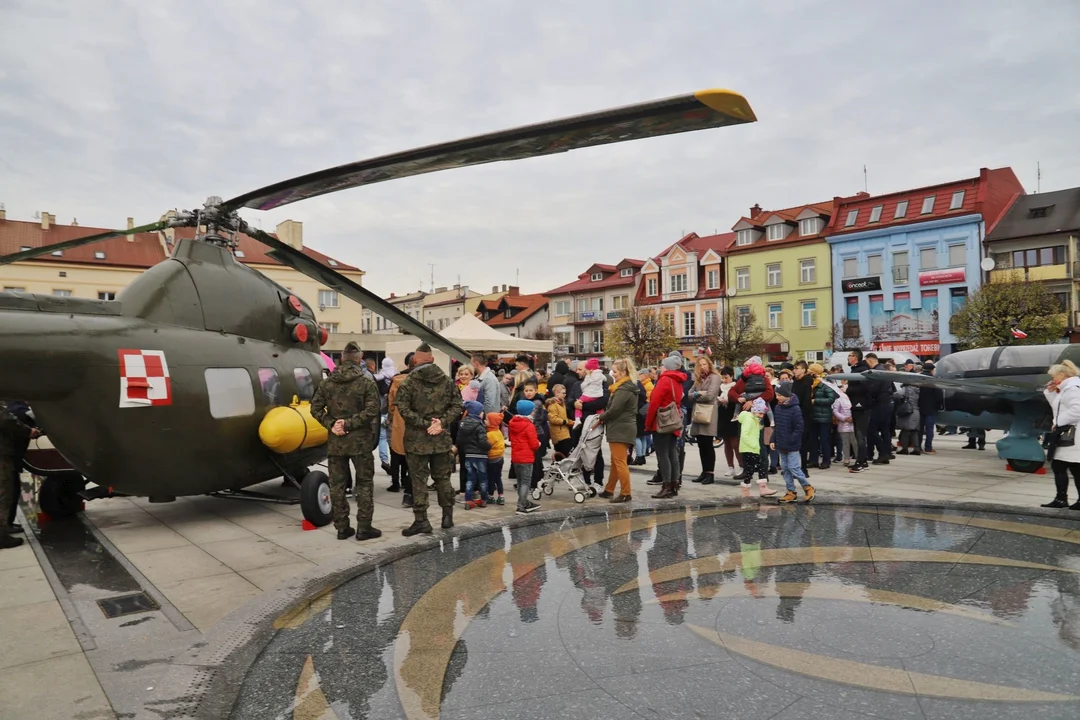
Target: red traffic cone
{"x": 306, "y": 525}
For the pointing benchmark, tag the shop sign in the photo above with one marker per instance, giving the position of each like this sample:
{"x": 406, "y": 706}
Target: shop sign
{"x": 942, "y": 277}
{"x": 862, "y": 284}
{"x": 915, "y": 347}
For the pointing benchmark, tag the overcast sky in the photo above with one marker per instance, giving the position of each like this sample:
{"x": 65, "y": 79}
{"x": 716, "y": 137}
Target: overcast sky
{"x": 112, "y": 109}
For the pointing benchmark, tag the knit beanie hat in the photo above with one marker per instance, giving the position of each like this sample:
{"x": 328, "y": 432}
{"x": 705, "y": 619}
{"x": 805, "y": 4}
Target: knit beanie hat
{"x": 672, "y": 362}
{"x": 759, "y": 406}
{"x": 494, "y": 421}
{"x": 525, "y": 407}
{"x": 592, "y": 364}
{"x": 784, "y": 389}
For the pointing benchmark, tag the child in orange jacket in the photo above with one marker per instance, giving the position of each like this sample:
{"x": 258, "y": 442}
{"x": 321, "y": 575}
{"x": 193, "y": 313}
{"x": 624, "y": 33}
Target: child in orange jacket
{"x": 523, "y": 446}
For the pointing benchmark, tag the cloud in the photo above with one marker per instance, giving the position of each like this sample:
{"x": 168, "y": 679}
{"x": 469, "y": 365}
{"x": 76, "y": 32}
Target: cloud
{"x": 129, "y": 108}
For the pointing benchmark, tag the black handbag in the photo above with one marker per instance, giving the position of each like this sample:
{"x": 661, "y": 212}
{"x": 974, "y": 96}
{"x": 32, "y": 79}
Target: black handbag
{"x": 1060, "y": 437}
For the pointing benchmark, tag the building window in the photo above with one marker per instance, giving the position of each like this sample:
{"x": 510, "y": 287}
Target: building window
{"x": 367, "y": 325}
{"x": 712, "y": 280}
{"x": 650, "y": 287}
{"x": 229, "y": 391}
{"x": 957, "y": 200}
{"x": 875, "y": 213}
{"x": 62, "y": 293}
{"x": 14, "y": 289}
{"x": 928, "y": 258}
{"x": 678, "y": 283}
{"x": 106, "y": 295}
{"x": 809, "y": 313}
{"x": 58, "y": 253}
{"x": 957, "y": 255}
{"x": 331, "y": 328}
{"x": 332, "y": 262}
{"x": 807, "y": 271}
{"x": 709, "y": 321}
{"x": 583, "y": 305}
{"x": 744, "y": 237}
{"x": 620, "y": 302}
{"x": 852, "y": 216}
{"x": 928, "y": 205}
{"x": 669, "y": 318}
{"x": 1035, "y": 212}
{"x": 626, "y": 272}
{"x": 900, "y": 268}
{"x": 99, "y": 255}
{"x": 777, "y": 231}
{"x": 873, "y": 265}
{"x": 742, "y": 279}
{"x": 775, "y": 316}
{"x": 509, "y": 313}
{"x": 598, "y": 304}
{"x": 772, "y": 275}
{"x": 562, "y": 308}
{"x": 851, "y": 267}
{"x": 328, "y": 299}
{"x": 809, "y": 226}
{"x": 689, "y": 321}
{"x": 596, "y": 276}
{"x": 901, "y": 210}
{"x": 240, "y": 253}
{"x": 742, "y": 313}
{"x": 598, "y": 341}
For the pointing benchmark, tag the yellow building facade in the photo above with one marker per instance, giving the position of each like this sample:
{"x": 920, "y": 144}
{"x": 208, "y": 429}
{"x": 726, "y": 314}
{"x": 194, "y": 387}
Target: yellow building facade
{"x": 779, "y": 274}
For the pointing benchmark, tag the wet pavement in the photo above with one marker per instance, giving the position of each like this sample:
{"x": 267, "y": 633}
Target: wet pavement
{"x": 743, "y": 612}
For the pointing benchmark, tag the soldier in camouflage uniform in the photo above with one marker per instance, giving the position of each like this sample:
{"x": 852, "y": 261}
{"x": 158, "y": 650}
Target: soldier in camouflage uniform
{"x": 428, "y": 401}
{"x": 13, "y": 434}
{"x": 347, "y": 404}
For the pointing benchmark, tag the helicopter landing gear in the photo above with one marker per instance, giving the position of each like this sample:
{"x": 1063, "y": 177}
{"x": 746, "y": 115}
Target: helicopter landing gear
{"x": 1025, "y": 466}
{"x": 59, "y": 494}
{"x": 315, "y": 498}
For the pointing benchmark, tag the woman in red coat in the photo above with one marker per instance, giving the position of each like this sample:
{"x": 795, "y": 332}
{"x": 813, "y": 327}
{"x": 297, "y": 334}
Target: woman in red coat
{"x": 668, "y": 390}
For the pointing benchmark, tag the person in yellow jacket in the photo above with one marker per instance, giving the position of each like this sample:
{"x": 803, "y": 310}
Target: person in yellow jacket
{"x": 646, "y": 382}
{"x": 559, "y": 422}
{"x": 495, "y": 456}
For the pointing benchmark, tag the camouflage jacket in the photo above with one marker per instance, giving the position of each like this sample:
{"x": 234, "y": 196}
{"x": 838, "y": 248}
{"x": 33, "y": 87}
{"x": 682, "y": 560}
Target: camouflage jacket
{"x": 13, "y": 432}
{"x": 427, "y": 393}
{"x": 350, "y": 395}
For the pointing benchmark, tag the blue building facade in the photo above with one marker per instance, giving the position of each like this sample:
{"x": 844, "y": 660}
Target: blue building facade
{"x": 897, "y": 287}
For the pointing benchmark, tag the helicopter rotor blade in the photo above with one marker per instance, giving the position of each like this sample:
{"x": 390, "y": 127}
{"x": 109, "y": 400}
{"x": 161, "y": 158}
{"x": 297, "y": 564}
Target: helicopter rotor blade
{"x": 684, "y": 113}
{"x": 315, "y": 270}
{"x": 77, "y": 242}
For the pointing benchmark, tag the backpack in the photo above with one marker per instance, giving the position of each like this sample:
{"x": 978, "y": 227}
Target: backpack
{"x": 754, "y": 386}
{"x": 383, "y": 386}
{"x": 903, "y": 407}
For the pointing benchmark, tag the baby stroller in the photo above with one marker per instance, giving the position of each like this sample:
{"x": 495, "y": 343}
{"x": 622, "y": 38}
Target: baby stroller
{"x": 569, "y": 469}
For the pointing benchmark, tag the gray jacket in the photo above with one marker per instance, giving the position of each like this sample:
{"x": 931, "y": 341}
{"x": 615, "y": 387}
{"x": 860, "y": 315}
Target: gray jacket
{"x": 489, "y": 389}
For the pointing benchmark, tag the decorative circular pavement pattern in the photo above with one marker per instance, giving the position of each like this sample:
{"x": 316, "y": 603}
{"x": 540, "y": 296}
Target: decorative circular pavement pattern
{"x": 760, "y": 612}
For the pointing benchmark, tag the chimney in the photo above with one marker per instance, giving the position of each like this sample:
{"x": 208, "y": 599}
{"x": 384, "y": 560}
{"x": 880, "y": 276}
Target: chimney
{"x": 3, "y": 213}
{"x": 494, "y": 288}
{"x": 456, "y": 286}
{"x": 391, "y": 296}
{"x": 755, "y": 211}
{"x": 514, "y": 291}
{"x": 504, "y": 288}
{"x": 74, "y": 222}
{"x": 291, "y": 233}
{"x": 131, "y": 223}
{"x": 45, "y": 219}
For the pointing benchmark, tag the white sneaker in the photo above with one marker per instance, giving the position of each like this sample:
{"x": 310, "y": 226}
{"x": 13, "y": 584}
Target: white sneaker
{"x": 730, "y": 472}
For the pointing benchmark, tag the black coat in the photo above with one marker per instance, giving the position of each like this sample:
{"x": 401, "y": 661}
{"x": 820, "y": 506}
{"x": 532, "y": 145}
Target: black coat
{"x": 859, "y": 390}
{"x": 930, "y": 400}
{"x": 803, "y": 389}
{"x": 472, "y": 438}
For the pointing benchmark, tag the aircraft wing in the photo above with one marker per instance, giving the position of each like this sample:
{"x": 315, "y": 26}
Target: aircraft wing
{"x": 698, "y": 111}
{"x": 1004, "y": 387}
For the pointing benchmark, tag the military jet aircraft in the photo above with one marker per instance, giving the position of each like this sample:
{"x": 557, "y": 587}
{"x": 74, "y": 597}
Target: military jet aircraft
{"x": 996, "y": 388}
{"x": 163, "y": 392}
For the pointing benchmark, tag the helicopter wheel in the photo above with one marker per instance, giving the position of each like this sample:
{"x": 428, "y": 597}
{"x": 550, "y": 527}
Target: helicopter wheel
{"x": 315, "y": 499}
{"x": 59, "y": 495}
{"x": 1025, "y": 466}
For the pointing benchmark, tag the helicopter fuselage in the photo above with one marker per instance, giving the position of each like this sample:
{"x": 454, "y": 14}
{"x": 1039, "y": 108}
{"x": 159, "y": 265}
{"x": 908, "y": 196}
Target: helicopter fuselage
{"x": 161, "y": 392}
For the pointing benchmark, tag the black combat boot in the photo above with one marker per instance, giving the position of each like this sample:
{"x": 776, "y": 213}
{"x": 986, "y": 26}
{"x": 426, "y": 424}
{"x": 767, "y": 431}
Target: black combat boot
{"x": 700, "y": 478}
{"x": 707, "y": 480}
{"x": 366, "y": 532}
{"x": 345, "y": 534}
{"x": 406, "y": 499}
{"x": 448, "y": 518}
{"x": 420, "y": 524}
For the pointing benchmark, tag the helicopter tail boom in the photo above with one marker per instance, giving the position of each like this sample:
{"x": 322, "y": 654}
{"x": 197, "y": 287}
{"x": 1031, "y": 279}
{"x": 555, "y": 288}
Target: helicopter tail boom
{"x": 39, "y": 354}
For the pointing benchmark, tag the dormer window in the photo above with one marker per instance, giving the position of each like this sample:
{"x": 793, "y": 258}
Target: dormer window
{"x": 957, "y": 200}
{"x": 744, "y": 237}
{"x": 650, "y": 287}
{"x": 508, "y": 314}
{"x": 927, "y": 205}
{"x": 901, "y": 210}
{"x": 24, "y": 248}
{"x": 852, "y": 216}
{"x": 332, "y": 262}
{"x": 1035, "y": 212}
{"x": 58, "y": 253}
{"x": 239, "y": 253}
{"x": 875, "y": 213}
{"x": 626, "y": 272}
{"x": 778, "y": 231}
{"x": 678, "y": 283}
{"x": 596, "y": 276}
{"x": 99, "y": 255}
{"x": 809, "y": 226}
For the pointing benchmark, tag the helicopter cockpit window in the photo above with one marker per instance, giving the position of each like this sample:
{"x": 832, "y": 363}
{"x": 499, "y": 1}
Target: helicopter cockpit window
{"x": 230, "y": 392}
{"x": 305, "y": 388}
{"x": 271, "y": 386}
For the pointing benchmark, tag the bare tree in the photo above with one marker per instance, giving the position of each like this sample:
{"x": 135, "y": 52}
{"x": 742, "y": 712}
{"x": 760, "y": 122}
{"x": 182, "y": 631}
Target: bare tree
{"x": 732, "y": 337}
{"x": 541, "y": 332}
{"x": 642, "y": 334}
{"x": 846, "y": 335}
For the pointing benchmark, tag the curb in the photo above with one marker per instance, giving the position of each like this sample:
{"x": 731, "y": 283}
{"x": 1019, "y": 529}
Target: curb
{"x": 206, "y": 678}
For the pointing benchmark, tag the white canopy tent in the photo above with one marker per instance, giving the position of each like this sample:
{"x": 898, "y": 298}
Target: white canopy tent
{"x": 471, "y": 334}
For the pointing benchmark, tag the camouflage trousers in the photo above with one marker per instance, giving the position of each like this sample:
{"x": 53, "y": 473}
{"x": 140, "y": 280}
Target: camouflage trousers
{"x": 9, "y": 479}
{"x": 437, "y": 466}
{"x": 363, "y": 488}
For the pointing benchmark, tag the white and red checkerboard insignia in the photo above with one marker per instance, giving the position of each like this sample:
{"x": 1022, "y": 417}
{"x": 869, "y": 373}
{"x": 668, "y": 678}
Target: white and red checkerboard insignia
{"x": 144, "y": 378}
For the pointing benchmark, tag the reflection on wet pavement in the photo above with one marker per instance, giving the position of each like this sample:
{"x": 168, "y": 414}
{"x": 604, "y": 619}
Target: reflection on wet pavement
{"x": 753, "y": 612}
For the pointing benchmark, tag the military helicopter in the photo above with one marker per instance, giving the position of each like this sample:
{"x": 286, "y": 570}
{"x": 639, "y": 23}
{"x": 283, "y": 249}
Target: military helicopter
{"x": 161, "y": 393}
{"x": 995, "y": 388}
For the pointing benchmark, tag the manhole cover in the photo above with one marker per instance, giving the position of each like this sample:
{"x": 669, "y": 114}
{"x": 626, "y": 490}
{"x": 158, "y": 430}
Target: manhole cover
{"x": 138, "y": 602}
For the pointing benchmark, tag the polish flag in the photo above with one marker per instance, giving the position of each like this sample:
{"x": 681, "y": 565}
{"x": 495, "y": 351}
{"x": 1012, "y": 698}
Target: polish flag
{"x": 1018, "y": 333}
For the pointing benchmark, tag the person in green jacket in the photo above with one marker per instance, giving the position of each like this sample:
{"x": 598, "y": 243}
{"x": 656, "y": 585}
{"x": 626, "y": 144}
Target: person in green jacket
{"x": 620, "y": 425}
{"x": 822, "y": 397}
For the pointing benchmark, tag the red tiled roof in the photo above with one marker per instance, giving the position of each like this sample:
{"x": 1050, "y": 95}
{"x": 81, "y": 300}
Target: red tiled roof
{"x": 492, "y": 305}
{"x": 789, "y": 214}
{"x": 989, "y": 194}
{"x": 142, "y": 250}
{"x": 793, "y": 238}
{"x": 529, "y": 305}
{"x": 255, "y": 252}
{"x": 584, "y": 282}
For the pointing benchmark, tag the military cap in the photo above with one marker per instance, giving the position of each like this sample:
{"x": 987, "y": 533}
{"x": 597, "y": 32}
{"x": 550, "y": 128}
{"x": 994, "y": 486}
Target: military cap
{"x": 424, "y": 348}
{"x": 352, "y": 347}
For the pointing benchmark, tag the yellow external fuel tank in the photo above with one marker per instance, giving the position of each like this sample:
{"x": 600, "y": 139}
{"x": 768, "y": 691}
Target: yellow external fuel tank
{"x": 288, "y": 429}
